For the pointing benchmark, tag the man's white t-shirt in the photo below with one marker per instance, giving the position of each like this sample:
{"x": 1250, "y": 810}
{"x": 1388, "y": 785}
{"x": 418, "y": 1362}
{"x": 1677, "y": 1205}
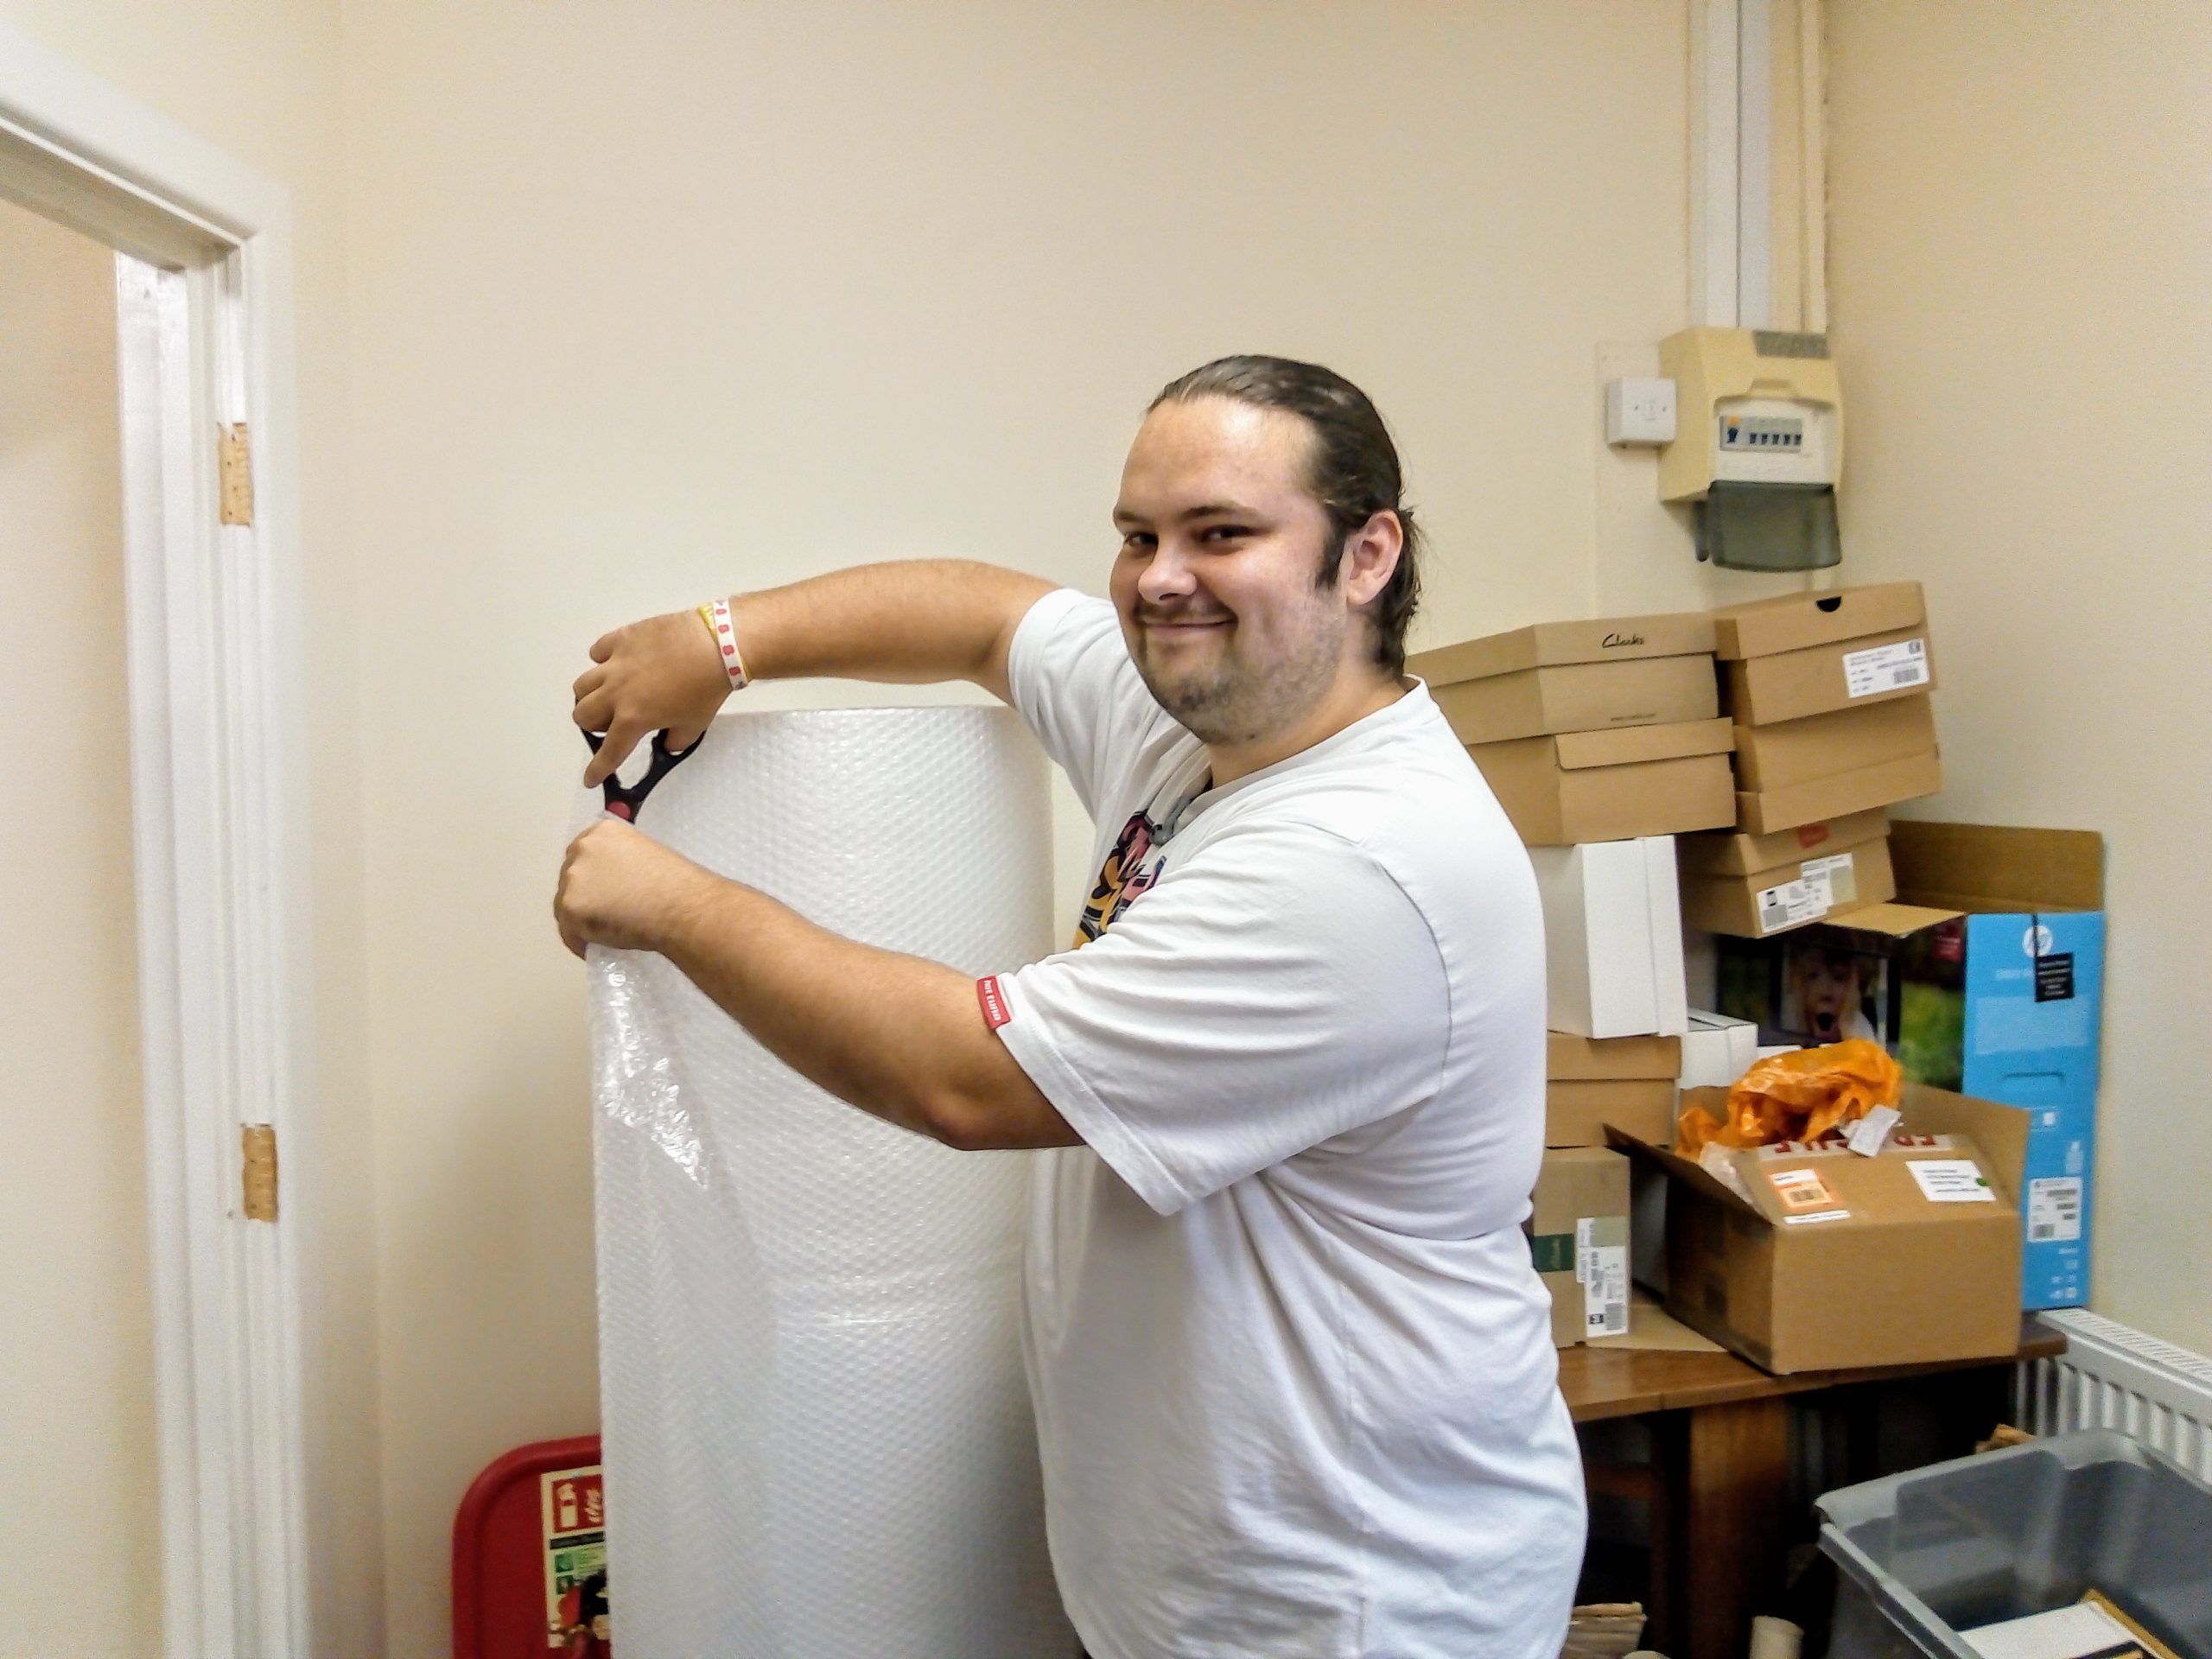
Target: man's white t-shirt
{"x": 1293, "y": 1376}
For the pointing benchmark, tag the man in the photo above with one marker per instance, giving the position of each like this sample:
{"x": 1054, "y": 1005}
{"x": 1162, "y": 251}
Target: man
{"x": 1294, "y": 1388}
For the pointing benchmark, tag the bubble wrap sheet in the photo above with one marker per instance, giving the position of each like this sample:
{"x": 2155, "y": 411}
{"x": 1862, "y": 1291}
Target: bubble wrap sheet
{"x": 817, "y": 1436}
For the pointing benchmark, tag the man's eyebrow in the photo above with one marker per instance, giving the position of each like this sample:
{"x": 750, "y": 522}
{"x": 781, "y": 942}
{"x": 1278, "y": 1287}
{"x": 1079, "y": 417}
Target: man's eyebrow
{"x": 1123, "y": 516}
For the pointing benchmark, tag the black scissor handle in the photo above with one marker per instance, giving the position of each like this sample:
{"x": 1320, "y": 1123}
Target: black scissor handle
{"x": 624, "y": 801}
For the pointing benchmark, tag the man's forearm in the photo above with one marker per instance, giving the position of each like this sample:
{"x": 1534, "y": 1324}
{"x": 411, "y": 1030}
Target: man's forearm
{"x": 894, "y": 1035}
{"x": 909, "y": 622}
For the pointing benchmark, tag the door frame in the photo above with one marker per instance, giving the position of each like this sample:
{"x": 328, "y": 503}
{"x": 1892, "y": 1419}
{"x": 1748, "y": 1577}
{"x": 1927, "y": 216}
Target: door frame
{"x": 214, "y": 634}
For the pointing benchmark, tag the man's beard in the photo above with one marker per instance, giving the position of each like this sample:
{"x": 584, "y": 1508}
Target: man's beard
{"x": 1235, "y": 702}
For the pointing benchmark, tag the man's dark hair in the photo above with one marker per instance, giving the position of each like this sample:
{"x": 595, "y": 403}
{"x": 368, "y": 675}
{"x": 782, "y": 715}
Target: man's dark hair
{"x": 1353, "y": 472}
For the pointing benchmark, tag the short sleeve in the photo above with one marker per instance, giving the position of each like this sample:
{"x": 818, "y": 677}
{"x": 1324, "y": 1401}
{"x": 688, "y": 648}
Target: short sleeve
{"x": 1278, "y": 989}
{"x": 1074, "y": 686}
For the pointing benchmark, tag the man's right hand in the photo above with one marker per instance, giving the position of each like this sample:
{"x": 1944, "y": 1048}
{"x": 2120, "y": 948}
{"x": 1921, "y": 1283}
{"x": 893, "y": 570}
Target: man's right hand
{"x": 662, "y": 673}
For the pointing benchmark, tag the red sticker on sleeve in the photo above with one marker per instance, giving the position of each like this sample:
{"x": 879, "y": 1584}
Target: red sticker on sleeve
{"x": 995, "y": 1012}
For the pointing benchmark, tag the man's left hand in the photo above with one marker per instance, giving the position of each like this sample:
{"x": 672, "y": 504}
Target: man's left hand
{"x": 621, "y": 888}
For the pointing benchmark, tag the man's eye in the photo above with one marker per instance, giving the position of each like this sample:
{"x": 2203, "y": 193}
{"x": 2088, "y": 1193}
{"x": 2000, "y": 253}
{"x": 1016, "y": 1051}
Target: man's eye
{"x": 1225, "y": 533}
{"x": 1137, "y": 540}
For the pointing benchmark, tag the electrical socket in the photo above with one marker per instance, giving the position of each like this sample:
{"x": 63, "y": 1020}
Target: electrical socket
{"x": 1640, "y": 410}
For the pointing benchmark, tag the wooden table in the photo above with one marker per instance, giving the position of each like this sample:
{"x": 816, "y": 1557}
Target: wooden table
{"x": 1721, "y": 1436}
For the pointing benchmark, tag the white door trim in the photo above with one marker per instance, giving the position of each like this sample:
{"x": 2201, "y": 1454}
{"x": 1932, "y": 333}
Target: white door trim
{"x": 212, "y": 636}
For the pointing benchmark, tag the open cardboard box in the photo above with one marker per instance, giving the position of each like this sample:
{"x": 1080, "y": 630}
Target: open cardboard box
{"x": 1810, "y": 1259}
{"x": 1989, "y": 979}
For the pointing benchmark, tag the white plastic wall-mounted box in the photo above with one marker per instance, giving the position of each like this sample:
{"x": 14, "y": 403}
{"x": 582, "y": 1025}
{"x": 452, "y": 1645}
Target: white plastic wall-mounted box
{"x": 1640, "y": 409}
{"x": 1613, "y": 937}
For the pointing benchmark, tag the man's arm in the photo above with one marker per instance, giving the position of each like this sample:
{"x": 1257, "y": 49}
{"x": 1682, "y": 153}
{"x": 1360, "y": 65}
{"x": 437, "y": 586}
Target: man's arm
{"x": 894, "y": 1035}
{"x": 922, "y": 621}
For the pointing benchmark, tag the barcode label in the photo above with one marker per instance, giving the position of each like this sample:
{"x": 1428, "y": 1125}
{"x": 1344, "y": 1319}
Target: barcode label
{"x": 1836, "y": 873}
{"x": 1802, "y": 1189}
{"x": 1790, "y": 903}
{"x": 1886, "y": 668}
{"x": 2054, "y": 1209}
{"x": 1601, "y": 1265}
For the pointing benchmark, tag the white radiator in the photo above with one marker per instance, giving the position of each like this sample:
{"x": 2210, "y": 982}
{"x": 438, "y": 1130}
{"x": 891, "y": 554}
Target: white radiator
{"x": 2112, "y": 1376}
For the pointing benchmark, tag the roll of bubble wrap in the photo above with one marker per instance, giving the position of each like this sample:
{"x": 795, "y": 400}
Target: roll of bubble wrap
{"x": 817, "y": 1437}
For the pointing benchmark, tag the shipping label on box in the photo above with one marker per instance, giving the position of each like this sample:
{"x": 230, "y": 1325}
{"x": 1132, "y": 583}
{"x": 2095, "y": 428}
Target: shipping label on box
{"x": 1793, "y": 896}
{"x": 1802, "y": 683}
{"x": 1578, "y": 1237}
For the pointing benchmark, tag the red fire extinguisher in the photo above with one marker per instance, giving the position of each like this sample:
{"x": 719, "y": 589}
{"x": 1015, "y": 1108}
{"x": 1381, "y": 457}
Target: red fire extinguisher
{"x": 529, "y": 1557}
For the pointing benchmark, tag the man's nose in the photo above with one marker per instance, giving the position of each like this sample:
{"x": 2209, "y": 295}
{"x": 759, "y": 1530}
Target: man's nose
{"x": 1166, "y": 573}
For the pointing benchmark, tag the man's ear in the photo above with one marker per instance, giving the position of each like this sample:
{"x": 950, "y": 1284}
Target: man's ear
{"x": 1371, "y": 558}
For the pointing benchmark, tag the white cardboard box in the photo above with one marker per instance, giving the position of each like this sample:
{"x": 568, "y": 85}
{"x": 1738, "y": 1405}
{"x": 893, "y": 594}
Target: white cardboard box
{"x": 1613, "y": 937}
{"x": 1716, "y": 1050}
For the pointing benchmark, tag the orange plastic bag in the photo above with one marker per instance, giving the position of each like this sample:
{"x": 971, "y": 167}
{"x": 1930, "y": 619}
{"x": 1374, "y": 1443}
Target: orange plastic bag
{"x": 1799, "y": 1096}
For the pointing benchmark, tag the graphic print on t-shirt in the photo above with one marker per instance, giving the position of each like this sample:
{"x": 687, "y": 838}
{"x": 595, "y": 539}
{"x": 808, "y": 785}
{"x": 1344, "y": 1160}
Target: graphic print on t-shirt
{"x": 1121, "y": 878}
{"x": 1140, "y": 852}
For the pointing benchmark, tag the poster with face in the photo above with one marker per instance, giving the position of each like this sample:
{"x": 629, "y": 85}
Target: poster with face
{"x": 1829, "y": 994}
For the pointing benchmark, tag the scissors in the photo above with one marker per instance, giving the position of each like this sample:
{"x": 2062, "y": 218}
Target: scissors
{"x": 624, "y": 801}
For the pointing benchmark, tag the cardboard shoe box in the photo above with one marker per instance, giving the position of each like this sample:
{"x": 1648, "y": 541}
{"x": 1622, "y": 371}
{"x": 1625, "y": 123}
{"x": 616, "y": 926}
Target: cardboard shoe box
{"x": 1812, "y": 653}
{"x": 1989, "y": 981}
{"x": 1765, "y": 812}
{"x": 1613, "y": 785}
{"x": 1846, "y": 867}
{"x": 1816, "y": 1258}
{"x": 1575, "y": 676}
{"x": 1627, "y": 1083}
{"x": 1771, "y": 759}
{"x": 1612, "y": 938}
{"x": 1578, "y": 1231}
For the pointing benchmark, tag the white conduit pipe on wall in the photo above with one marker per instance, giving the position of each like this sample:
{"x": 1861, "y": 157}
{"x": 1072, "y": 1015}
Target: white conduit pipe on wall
{"x": 817, "y": 1436}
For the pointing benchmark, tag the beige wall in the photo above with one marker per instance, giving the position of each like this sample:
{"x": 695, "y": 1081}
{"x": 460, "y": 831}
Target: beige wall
{"x": 76, "y": 1305}
{"x": 2021, "y": 273}
{"x": 260, "y": 79}
{"x": 652, "y": 313}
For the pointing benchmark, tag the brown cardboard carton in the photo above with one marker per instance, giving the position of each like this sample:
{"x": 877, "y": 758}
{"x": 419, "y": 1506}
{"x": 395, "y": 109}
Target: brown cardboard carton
{"x": 1856, "y": 673}
{"x": 1581, "y": 698}
{"x": 1570, "y": 787}
{"x": 1768, "y": 627}
{"x": 1763, "y": 812}
{"x": 1627, "y": 1082}
{"x": 1818, "y": 1259}
{"x": 1799, "y": 751}
{"x": 1685, "y": 633}
{"x": 1578, "y": 1114}
{"x": 1817, "y": 889}
{"x": 1568, "y": 1057}
{"x": 1578, "y": 1231}
{"x": 1742, "y": 855}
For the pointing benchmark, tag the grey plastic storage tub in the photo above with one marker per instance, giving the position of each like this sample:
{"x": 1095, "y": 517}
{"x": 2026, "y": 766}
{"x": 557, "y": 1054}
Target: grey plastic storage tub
{"x": 1924, "y": 1555}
